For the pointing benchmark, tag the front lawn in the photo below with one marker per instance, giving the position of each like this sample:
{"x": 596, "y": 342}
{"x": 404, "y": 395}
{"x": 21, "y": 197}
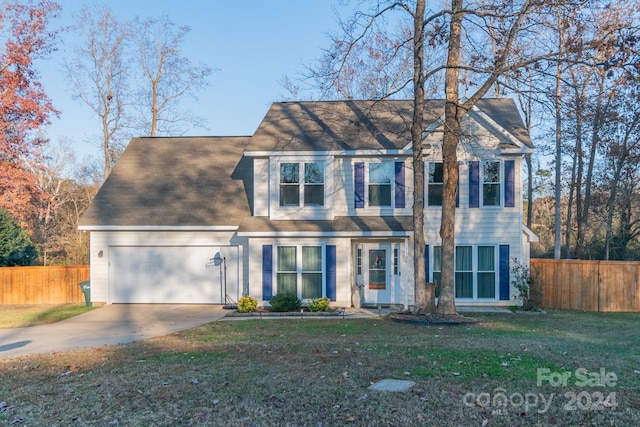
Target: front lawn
{"x": 20, "y": 316}
{"x": 565, "y": 368}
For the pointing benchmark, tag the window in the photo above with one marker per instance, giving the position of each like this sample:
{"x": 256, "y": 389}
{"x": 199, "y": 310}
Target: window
{"x": 311, "y": 272}
{"x": 287, "y": 271}
{"x": 435, "y": 185}
{"x": 437, "y": 267}
{"x": 289, "y": 184}
{"x": 309, "y": 187}
{"x": 300, "y": 271}
{"x": 464, "y": 272}
{"x": 475, "y": 271}
{"x": 491, "y": 183}
{"x": 380, "y": 178}
{"x": 486, "y": 272}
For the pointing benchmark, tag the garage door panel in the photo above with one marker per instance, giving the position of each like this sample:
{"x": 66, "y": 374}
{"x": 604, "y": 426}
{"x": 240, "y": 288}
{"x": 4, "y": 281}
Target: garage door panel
{"x": 164, "y": 275}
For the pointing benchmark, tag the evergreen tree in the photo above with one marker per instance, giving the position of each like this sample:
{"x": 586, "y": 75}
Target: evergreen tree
{"x": 16, "y": 247}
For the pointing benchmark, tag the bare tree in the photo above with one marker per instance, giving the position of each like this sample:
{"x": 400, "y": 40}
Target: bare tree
{"x": 485, "y": 40}
{"x": 98, "y": 74}
{"x": 166, "y": 76}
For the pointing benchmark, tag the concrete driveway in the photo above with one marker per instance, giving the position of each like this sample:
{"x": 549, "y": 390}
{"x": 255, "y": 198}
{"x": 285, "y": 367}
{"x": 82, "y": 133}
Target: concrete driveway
{"x": 107, "y": 325}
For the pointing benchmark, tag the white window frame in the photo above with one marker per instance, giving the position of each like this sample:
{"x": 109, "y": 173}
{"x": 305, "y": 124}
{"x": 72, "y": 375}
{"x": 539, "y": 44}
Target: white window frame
{"x": 499, "y": 183}
{"x": 299, "y": 271}
{"x": 390, "y": 165}
{"x": 301, "y": 184}
{"x": 475, "y": 269}
{"x": 427, "y": 175}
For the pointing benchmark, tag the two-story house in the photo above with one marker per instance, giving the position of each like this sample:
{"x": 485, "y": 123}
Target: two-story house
{"x": 318, "y": 202}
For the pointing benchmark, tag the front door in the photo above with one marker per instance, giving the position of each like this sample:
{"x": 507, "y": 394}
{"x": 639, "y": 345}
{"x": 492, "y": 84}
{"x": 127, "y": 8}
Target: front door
{"x": 376, "y": 260}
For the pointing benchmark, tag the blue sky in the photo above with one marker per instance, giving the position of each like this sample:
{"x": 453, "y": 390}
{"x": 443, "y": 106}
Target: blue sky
{"x": 252, "y": 43}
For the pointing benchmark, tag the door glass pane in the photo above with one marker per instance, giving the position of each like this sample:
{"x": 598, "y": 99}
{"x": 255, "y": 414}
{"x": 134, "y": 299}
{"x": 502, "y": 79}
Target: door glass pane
{"x": 377, "y": 269}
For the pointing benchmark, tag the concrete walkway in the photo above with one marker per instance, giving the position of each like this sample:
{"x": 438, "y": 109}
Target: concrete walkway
{"x": 107, "y": 325}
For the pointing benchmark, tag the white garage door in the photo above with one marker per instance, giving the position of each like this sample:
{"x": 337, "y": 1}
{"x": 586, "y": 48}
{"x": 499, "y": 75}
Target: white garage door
{"x": 164, "y": 275}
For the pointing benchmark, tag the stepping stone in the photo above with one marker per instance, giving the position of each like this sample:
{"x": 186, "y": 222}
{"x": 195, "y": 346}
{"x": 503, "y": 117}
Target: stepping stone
{"x": 392, "y": 385}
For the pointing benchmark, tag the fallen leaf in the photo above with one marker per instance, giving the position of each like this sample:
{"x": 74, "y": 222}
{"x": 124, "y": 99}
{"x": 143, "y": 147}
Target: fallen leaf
{"x": 363, "y": 397}
{"x": 194, "y": 381}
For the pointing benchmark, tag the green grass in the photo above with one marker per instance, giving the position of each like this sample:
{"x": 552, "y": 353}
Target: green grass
{"x": 20, "y": 316}
{"x": 310, "y": 372}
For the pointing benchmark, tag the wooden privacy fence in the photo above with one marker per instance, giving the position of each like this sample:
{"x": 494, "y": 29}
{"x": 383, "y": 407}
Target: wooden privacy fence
{"x": 42, "y": 285}
{"x": 588, "y": 285}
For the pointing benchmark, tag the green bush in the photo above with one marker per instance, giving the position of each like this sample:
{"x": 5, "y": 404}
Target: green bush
{"x": 247, "y": 304}
{"x": 285, "y": 302}
{"x": 319, "y": 304}
{"x": 16, "y": 247}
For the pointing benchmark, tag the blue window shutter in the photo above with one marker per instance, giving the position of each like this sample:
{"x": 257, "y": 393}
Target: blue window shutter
{"x": 509, "y": 183}
{"x": 426, "y": 263}
{"x": 267, "y": 272}
{"x": 504, "y": 272}
{"x": 331, "y": 272}
{"x": 358, "y": 178}
{"x": 474, "y": 185}
{"x": 399, "y": 185}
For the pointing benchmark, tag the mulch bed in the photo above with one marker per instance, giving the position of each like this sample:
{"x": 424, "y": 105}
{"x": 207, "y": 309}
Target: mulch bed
{"x": 432, "y": 319}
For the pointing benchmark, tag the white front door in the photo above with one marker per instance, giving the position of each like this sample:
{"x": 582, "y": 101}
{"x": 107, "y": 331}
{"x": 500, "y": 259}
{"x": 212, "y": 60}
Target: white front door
{"x": 376, "y": 272}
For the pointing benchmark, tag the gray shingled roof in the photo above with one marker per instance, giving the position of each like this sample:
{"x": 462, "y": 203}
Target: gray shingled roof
{"x": 192, "y": 181}
{"x": 340, "y": 224}
{"x": 358, "y": 125}
{"x": 206, "y": 181}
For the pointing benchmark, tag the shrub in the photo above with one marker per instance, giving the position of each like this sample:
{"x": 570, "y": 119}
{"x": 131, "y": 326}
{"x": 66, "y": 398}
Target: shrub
{"x": 16, "y": 247}
{"x": 247, "y": 304}
{"x": 319, "y": 304}
{"x": 529, "y": 294}
{"x": 285, "y": 302}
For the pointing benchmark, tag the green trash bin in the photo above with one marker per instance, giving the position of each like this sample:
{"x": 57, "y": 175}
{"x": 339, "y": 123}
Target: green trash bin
{"x": 86, "y": 290}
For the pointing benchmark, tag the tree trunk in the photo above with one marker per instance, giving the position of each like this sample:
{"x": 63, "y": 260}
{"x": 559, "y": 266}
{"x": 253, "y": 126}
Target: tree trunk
{"x": 450, "y": 140}
{"x": 424, "y": 295}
